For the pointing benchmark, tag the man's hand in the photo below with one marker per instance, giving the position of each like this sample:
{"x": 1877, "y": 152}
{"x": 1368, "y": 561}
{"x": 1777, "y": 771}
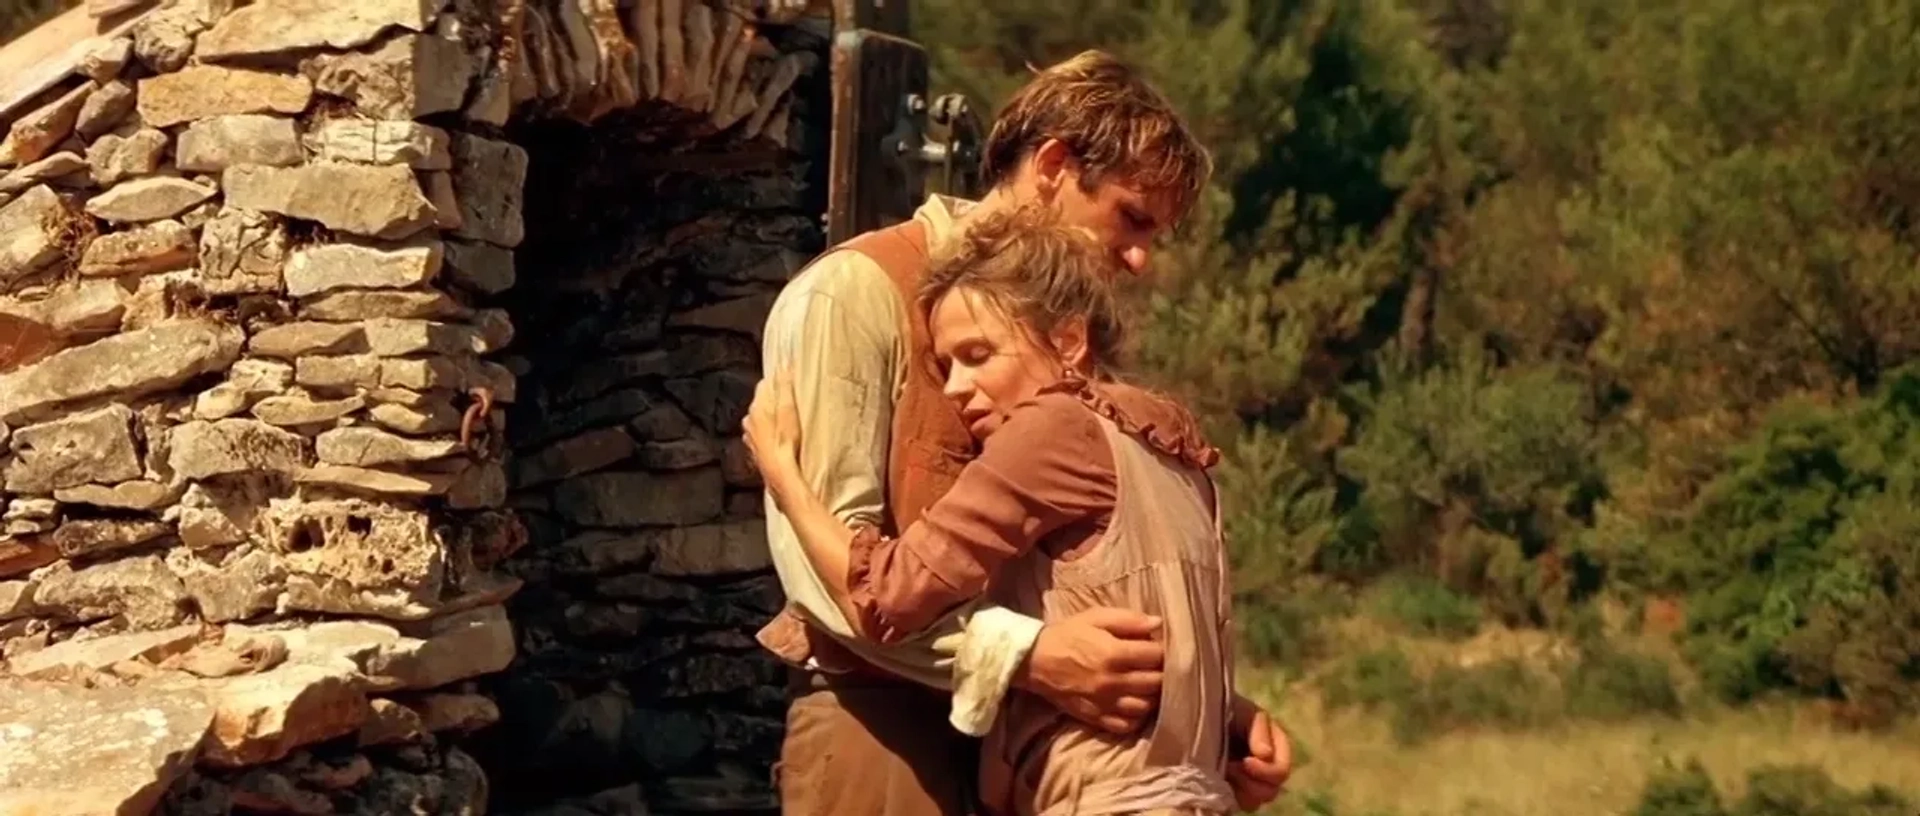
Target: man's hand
{"x": 1258, "y": 777}
{"x": 1101, "y": 667}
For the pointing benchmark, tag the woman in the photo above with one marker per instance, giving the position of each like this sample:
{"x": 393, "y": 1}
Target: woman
{"x": 1087, "y": 493}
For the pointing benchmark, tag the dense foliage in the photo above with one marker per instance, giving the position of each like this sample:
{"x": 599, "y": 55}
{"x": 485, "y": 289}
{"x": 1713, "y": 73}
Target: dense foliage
{"x": 1532, "y": 302}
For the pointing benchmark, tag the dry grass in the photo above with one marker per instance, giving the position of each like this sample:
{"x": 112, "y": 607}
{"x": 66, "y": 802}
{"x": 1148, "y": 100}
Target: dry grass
{"x": 1577, "y": 770}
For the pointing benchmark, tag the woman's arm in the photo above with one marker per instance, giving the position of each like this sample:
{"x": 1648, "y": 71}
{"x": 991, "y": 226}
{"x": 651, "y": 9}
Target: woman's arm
{"x": 1049, "y": 465}
{"x": 823, "y": 537}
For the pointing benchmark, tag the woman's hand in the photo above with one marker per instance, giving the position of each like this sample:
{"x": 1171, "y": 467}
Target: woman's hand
{"x": 773, "y": 433}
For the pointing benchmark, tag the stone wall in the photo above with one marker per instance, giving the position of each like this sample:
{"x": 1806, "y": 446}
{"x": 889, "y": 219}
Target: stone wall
{"x": 313, "y": 431}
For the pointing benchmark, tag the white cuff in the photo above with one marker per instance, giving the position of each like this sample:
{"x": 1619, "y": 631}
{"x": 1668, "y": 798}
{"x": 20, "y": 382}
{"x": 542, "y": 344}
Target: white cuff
{"x": 997, "y": 641}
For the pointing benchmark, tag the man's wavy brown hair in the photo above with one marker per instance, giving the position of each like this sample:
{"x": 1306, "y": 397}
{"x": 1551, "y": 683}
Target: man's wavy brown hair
{"x": 1038, "y": 272}
{"x": 1113, "y": 121}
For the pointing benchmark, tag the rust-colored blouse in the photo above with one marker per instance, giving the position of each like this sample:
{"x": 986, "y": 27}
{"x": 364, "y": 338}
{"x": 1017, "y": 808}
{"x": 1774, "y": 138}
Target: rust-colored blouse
{"x": 1046, "y": 478}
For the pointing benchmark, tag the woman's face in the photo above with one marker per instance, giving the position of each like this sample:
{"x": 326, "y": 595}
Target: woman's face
{"x": 992, "y": 363}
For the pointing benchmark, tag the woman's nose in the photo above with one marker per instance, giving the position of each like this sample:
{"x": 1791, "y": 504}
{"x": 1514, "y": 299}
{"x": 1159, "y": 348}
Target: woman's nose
{"x": 959, "y": 387}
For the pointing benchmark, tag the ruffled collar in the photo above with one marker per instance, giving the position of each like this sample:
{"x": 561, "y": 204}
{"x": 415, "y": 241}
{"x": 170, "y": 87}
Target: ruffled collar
{"x": 1159, "y": 421}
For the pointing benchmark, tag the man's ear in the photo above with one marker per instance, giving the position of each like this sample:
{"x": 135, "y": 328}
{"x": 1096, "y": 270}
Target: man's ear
{"x": 1069, "y": 340}
{"x": 1051, "y": 161}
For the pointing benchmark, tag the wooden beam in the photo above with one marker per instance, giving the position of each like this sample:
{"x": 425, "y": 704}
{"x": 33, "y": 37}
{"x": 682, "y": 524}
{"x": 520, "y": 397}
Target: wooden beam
{"x": 39, "y": 59}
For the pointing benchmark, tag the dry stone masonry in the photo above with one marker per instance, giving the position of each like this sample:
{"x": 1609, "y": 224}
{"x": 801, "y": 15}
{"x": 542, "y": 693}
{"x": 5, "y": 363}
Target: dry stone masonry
{"x": 382, "y": 455}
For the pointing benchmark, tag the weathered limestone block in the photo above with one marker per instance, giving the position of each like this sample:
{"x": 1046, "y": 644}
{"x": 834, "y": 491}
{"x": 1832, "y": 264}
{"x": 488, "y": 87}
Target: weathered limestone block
{"x": 134, "y": 495}
{"x": 242, "y": 251}
{"x": 104, "y": 59}
{"x": 407, "y": 77}
{"x": 35, "y": 134}
{"x": 743, "y": 315}
{"x": 164, "y": 39}
{"x": 162, "y": 246}
{"x": 204, "y": 91}
{"x": 327, "y": 267}
{"x": 364, "y": 304}
{"x": 78, "y": 750}
{"x": 481, "y": 486}
{"x": 363, "y": 447}
{"x": 390, "y": 723}
{"x": 60, "y": 169}
{"x": 345, "y": 372}
{"x": 678, "y": 454}
{"x": 381, "y": 336}
{"x": 712, "y": 549}
{"x": 96, "y": 446}
{"x": 491, "y": 177}
{"x": 247, "y": 382}
{"x": 377, "y": 482}
{"x": 72, "y": 308}
{"x": 277, "y": 26}
{"x": 355, "y": 556}
{"x": 639, "y": 499}
{"x": 449, "y": 649}
{"x": 148, "y": 199}
{"x": 126, "y": 365}
{"x": 86, "y": 538}
{"x": 461, "y": 713}
{"x": 293, "y": 410}
{"x": 100, "y": 653}
{"x": 30, "y": 231}
{"x": 114, "y": 157}
{"x": 29, "y": 516}
{"x": 376, "y": 141}
{"x": 213, "y": 145}
{"x": 202, "y": 449}
{"x": 382, "y": 201}
{"x": 105, "y": 109}
{"x": 236, "y": 584}
{"x": 222, "y": 512}
{"x": 16, "y": 599}
{"x": 585, "y": 453}
{"x": 389, "y": 337}
{"x": 137, "y": 588}
{"x": 259, "y": 718}
{"x": 290, "y": 340}
{"x": 718, "y": 400}
{"x": 433, "y": 416}
{"x": 481, "y": 267}
{"x": 446, "y": 202}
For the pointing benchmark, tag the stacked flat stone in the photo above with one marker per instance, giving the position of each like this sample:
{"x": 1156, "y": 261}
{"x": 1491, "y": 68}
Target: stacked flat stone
{"x": 258, "y": 478}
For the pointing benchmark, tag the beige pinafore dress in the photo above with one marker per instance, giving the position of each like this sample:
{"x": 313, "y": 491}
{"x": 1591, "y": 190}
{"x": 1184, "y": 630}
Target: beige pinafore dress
{"x": 1161, "y": 554}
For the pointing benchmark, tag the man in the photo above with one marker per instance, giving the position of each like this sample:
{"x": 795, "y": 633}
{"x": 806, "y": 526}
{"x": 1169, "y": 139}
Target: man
{"x": 865, "y": 732}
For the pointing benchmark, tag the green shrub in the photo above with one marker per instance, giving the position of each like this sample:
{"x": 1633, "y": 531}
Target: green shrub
{"x": 1800, "y": 557}
{"x": 1423, "y": 606}
{"x": 1609, "y": 683}
{"x": 1772, "y": 790}
{"x": 1680, "y": 791}
{"x": 1806, "y": 790}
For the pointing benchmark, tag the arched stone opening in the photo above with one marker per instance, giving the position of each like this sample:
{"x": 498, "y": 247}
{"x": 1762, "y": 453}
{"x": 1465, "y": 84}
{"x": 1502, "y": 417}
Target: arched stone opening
{"x": 374, "y": 405}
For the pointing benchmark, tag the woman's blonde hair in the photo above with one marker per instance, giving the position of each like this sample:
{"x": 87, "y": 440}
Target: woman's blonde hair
{"x": 1038, "y": 272}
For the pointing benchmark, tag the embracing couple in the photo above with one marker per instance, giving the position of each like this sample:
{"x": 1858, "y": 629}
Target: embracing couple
{"x": 1007, "y": 588}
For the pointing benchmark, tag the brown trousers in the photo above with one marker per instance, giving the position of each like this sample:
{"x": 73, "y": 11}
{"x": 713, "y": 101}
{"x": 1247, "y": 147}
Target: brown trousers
{"x": 869, "y": 746}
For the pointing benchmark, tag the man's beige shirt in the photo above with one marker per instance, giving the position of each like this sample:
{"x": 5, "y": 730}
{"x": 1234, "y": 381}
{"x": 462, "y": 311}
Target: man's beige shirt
{"x": 839, "y": 328}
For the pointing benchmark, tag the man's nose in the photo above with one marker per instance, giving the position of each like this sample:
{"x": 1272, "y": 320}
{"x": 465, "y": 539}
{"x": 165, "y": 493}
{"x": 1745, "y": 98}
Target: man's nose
{"x": 1135, "y": 258}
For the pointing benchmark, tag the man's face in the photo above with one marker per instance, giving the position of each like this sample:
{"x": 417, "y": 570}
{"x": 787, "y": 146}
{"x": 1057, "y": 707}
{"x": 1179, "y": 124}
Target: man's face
{"x": 1121, "y": 215}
